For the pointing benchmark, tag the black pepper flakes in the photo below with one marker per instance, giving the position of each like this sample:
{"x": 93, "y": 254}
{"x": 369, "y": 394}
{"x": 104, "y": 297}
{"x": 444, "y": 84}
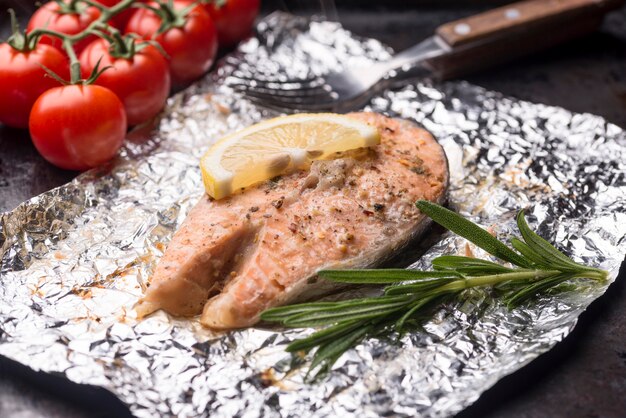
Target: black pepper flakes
{"x": 278, "y": 203}
{"x": 253, "y": 208}
{"x": 378, "y": 207}
{"x": 418, "y": 169}
{"x": 272, "y": 183}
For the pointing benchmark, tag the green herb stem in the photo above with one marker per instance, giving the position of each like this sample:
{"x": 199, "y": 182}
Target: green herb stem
{"x": 409, "y": 294}
{"x": 494, "y": 279}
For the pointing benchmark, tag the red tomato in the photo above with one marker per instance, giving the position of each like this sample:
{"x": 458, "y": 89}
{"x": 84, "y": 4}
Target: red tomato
{"x": 50, "y": 17}
{"x": 191, "y": 48}
{"x": 142, "y": 83}
{"x": 77, "y": 126}
{"x": 120, "y": 20}
{"x": 234, "y": 20}
{"x": 23, "y": 80}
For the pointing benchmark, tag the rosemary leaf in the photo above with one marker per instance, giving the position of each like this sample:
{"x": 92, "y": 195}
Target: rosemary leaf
{"x": 468, "y": 265}
{"x": 284, "y": 312}
{"x": 529, "y": 253}
{"x": 420, "y": 304}
{"x": 550, "y": 252}
{"x": 367, "y": 308}
{"x": 377, "y": 276}
{"x": 326, "y": 334}
{"x": 471, "y": 232}
{"x": 329, "y": 352}
{"x": 527, "y": 292}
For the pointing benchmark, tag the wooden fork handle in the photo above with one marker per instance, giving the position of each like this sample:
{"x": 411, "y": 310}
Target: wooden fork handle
{"x": 519, "y": 28}
{"x": 547, "y": 16}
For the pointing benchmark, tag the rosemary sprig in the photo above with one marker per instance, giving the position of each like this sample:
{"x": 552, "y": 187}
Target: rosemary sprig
{"x": 534, "y": 266}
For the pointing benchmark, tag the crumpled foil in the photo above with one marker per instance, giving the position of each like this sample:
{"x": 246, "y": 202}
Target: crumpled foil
{"x": 76, "y": 259}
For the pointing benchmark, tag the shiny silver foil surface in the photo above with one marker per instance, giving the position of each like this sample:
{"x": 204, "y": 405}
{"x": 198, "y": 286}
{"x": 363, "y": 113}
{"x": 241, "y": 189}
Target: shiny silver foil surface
{"x": 76, "y": 259}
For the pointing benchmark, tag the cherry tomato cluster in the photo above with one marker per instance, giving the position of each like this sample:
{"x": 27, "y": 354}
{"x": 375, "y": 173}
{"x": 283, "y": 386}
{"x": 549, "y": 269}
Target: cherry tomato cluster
{"x": 83, "y": 71}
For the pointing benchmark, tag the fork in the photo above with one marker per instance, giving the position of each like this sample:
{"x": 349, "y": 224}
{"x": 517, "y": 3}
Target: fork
{"x": 457, "y": 48}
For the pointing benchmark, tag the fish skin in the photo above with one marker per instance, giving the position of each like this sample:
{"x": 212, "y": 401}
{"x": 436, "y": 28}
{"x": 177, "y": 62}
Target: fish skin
{"x": 236, "y": 257}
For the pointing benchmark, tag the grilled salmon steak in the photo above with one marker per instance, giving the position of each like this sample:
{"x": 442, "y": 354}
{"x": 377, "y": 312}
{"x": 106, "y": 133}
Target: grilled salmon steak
{"x": 233, "y": 258}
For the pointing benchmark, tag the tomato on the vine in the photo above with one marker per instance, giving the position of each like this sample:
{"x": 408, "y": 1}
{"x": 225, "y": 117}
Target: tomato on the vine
{"x": 142, "y": 82}
{"x": 234, "y": 19}
{"x": 23, "y": 80}
{"x": 78, "y": 126}
{"x": 54, "y": 16}
{"x": 191, "y": 44}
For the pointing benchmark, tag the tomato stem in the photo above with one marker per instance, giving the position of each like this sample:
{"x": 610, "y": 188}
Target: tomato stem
{"x": 15, "y": 26}
{"x": 75, "y": 76}
{"x": 192, "y": 6}
{"x": 95, "y": 4}
{"x": 73, "y": 5}
{"x": 167, "y": 9}
{"x": 121, "y": 46}
{"x": 21, "y": 41}
{"x": 170, "y": 17}
{"x": 106, "y": 14}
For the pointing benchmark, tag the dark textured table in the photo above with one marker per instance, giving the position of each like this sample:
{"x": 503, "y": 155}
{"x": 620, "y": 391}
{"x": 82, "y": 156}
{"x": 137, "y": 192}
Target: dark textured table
{"x": 584, "y": 376}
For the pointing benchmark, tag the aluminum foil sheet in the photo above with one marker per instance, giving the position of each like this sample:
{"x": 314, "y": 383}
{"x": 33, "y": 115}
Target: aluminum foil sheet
{"x": 76, "y": 259}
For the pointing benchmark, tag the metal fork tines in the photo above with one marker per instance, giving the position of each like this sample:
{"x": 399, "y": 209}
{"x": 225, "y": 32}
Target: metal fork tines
{"x": 312, "y": 94}
{"x": 335, "y": 91}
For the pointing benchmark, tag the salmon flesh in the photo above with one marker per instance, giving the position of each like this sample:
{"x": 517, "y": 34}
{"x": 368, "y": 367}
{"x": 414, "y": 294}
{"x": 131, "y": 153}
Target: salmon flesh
{"x": 233, "y": 258}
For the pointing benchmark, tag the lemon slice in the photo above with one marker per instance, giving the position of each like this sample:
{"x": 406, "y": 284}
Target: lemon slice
{"x": 278, "y": 146}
